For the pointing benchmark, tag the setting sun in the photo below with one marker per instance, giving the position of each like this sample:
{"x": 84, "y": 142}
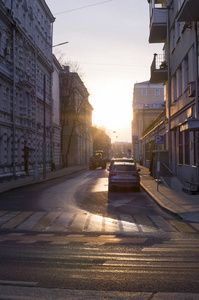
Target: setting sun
{"x": 113, "y": 109}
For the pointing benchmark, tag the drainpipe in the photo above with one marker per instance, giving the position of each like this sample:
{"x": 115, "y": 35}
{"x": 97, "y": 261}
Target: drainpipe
{"x": 13, "y": 108}
{"x": 196, "y": 96}
{"x": 196, "y": 68}
{"x": 169, "y": 87}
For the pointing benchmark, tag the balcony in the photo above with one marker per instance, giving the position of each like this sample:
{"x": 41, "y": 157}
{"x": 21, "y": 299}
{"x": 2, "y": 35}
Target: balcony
{"x": 159, "y": 69}
{"x": 189, "y": 11}
{"x": 158, "y": 25}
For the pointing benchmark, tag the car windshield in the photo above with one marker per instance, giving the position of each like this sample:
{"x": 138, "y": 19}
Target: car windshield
{"x": 124, "y": 168}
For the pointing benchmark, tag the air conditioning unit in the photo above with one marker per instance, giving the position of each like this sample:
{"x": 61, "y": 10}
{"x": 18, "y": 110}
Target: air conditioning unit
{"x": 191, "y": 89}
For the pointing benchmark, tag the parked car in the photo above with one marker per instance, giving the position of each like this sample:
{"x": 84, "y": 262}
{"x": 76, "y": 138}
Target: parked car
{"x": 123, "y": 174}
{"x": 121, "y": 159}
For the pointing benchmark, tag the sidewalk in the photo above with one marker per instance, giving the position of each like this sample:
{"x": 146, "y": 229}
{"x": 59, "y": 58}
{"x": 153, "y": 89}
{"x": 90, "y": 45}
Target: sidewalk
{"x": 28, "y": 180}
{"x": 176, "y": 202}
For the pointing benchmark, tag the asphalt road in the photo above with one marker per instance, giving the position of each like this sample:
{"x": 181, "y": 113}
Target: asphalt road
{"x": 70, "y": 233}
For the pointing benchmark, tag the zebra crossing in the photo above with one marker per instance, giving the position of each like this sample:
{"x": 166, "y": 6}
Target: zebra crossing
{"x": 175, "y": 245}
{"x": 83, "y": 221}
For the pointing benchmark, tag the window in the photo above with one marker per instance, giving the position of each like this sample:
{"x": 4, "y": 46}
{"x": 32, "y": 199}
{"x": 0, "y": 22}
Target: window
{"x": 0, "y": 43}
{"x": 187, "y": 151}
{"x": 180, "y": 148}
{"x": 157, "y": 92}
{"x": 185, "y": 79}
{"x": 173, "y": 39}
{"x": 179, "y": 82}
{"x": 195, "y": 134}
{"x": 173, "y": 89}
{"x": 144, "y": 92}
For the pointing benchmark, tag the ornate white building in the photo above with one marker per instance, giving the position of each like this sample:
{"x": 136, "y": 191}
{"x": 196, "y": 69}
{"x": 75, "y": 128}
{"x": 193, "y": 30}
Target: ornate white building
{"x": 25, "y": 86}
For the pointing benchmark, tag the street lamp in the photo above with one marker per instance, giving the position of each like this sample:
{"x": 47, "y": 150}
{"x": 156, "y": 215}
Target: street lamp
{"x": 36, "y": 166}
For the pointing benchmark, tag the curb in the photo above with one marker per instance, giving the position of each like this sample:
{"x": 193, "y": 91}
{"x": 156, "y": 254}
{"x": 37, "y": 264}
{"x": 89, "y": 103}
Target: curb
{"x": 160, "y": 204}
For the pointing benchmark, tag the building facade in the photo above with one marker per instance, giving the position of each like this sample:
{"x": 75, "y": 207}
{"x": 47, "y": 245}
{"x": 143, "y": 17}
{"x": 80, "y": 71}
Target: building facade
{"x": 174, "y": 23}
{"x": 25, "y": 85}
{"x": 56, "y": 149}
{"x": 76, "y": 120}
{"x": 148, "y": 103}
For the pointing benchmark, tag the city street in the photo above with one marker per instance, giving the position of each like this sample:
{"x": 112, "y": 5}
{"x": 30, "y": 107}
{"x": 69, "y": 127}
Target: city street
{"x": 70, "y": 233}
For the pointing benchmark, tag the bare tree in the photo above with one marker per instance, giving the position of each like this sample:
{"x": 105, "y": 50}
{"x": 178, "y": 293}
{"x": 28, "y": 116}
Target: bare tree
{"x": 74, "y": 105}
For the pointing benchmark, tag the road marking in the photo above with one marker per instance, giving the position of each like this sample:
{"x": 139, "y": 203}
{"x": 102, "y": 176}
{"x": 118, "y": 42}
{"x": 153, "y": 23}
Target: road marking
{"x": 182, "y": 227}
{"x": 144, "y": 223}
{"x": 162, "y": 224}
{"x": 5, "y": 218}
{"x": 111, "y": 225}
{"x": 62, "y": 222}
{"x": 170, "y": 249}
{"x": 18, "y": 283}
{"x": 79, "y": 222}
{"x": 59, "y": 239}
{"x": 95, "y": 223}
{"x": 46, "y": 221}
{"x": 17, "y": 220}
{"x": 82, "y": 221}
{"x": 128, "y": 223}
{"x": 31, "y": 221}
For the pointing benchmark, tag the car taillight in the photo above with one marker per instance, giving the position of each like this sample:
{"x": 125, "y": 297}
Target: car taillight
{"x": 113, "y": 174}
{"x": 136, "y": 175}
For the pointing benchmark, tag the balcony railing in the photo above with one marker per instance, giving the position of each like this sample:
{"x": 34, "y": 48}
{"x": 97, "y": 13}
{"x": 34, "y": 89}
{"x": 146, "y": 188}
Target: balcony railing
{"x": 158, "y": 25}
{"x": 159, "y": 69}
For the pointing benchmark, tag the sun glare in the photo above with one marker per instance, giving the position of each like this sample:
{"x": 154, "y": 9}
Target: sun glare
{"x": 112, "y": 109}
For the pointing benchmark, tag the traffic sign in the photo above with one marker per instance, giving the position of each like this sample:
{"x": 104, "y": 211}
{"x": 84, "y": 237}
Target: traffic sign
{"x": 159, "y": 139}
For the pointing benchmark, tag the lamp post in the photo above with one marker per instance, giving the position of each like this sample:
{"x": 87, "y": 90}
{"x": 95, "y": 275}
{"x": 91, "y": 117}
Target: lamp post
{"x": 36, "y": 166}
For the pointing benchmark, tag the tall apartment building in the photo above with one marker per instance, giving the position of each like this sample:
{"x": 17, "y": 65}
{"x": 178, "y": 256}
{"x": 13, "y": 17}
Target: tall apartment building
{"x": 76, "y": 119}
{"x": 25, "y": 85}
{"x": 56, "y": 130}
{"x": 174, "y": 23}
{"x": 148, "y": 103}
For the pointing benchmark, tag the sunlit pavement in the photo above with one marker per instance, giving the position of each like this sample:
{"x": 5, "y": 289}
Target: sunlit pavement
{"x": 176, "y": 202}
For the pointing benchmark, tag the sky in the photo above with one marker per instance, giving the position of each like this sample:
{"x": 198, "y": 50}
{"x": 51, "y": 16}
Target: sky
{"x": 108, "y": 40}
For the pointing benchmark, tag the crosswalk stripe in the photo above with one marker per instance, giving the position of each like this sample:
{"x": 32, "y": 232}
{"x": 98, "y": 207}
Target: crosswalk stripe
{"x": 128, "y": 223}
{"x": 162, "y": 224}
{"x": 46, "y": 221}
{"x": 6, "y": 217}
{"x": 182, "y": 227}
{"x": 111, "y": 225}
{"x": 31, "y": 221}
{"x": 61, "y": 222}
{"x": 95, "y": 223}
{"x": 17, "y": 220}
{"x": 78, "y": 223}
{"x": 84, "y": 221}
{"x": 145, "y": 223}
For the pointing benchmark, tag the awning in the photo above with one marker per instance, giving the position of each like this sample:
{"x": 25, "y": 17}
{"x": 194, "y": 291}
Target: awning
{"x": 191, "y": 125}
